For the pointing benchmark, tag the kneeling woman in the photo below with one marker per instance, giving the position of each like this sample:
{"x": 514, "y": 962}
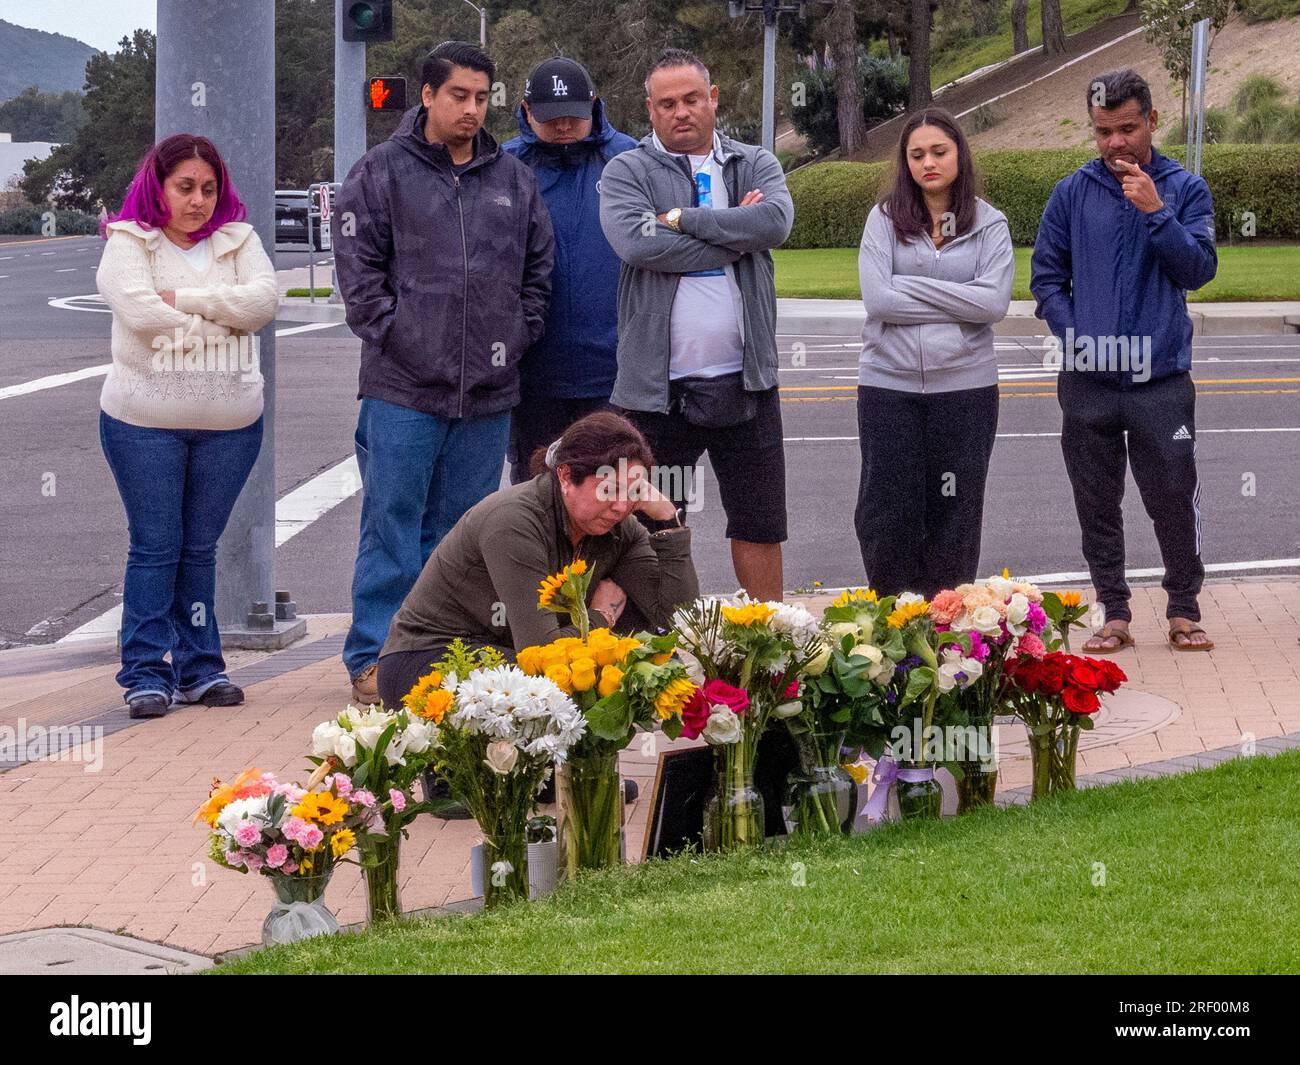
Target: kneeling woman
{"x": 591, "y": 499}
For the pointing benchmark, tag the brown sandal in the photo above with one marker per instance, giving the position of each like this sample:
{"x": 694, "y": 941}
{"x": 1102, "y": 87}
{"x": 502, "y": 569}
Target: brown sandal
{"x": 1109, "y": 632}
{"x": 1185, "y": 645}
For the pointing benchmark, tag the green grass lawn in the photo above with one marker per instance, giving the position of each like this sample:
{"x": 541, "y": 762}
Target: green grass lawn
{"x": 1199, "y": 876}
{"x": 1254, "y": 272}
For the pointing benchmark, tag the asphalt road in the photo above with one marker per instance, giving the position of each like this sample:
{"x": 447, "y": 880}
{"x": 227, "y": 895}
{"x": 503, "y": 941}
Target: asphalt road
{"x": 62, "y": 550}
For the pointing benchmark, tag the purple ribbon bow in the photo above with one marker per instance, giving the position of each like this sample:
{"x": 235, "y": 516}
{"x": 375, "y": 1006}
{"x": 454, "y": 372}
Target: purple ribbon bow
{"x": 886, "y": 776}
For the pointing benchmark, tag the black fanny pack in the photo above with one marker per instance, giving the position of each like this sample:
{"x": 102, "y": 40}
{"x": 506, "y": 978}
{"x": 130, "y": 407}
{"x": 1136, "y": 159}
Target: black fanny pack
{"x": 714, "y": 402}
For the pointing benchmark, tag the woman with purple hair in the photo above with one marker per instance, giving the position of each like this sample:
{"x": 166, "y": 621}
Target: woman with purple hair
{"x": 189, "y": 285}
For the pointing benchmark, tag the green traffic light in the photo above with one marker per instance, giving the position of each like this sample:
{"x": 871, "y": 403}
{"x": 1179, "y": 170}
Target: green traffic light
{"x": 362, "y": 15}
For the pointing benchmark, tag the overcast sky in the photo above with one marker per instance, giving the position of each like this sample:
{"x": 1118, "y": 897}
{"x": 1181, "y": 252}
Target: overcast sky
{"x": 100, "y": 23}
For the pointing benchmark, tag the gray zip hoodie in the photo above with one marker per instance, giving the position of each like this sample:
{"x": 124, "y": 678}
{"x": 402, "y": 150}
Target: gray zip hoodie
{"x": 930, "y": 313}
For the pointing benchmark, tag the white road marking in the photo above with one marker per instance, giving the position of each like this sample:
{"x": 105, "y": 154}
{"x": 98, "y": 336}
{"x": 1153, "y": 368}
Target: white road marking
{"x": 294, "y": 512}
{"x": 66, "y": 270}
{"x": 1037, "y": 436}
{"x": 55, "y": 380}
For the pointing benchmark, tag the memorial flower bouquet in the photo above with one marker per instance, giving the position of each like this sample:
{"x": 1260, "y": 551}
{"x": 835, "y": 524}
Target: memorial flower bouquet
{"x": 294, "y": 836}
{"x": 1000, "y": 616}
{"x": 619, "y": 684}
{"x": 497, "y": 744}
{"x": 748, "y": 658}
{"x": 381, "y": 753}
{"x": 1055, "y": 695}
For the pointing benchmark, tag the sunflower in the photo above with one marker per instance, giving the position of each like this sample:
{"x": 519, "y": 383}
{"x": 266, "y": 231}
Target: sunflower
{"x": 907, "y": 612}
{"x": 674, "y": 696}
{"x": 749, "y": 614}
{"x": 855, "y": 595}
{"x": 1069, "y": 599}
{"x": 550, "y": 586}
{"x": 342, "y": 841}
{"x": 321, "y": 807}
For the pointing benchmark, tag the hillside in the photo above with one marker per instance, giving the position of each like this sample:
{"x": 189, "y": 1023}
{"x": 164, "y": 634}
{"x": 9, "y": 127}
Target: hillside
{"x": 50, "y": 61}
{"x": 1050, "y": 113}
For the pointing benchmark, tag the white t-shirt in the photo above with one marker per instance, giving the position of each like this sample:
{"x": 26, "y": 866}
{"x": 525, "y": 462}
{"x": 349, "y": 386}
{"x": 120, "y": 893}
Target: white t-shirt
{"x": 707, "y": 331}
{"x": 198, "y": 256}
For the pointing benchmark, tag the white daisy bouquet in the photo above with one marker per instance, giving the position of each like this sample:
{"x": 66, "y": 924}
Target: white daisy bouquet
{"x": 497, "y": 746}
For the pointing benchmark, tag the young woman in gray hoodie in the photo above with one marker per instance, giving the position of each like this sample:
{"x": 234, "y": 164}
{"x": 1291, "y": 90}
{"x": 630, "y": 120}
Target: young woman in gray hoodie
{"x": 936, "y": 268}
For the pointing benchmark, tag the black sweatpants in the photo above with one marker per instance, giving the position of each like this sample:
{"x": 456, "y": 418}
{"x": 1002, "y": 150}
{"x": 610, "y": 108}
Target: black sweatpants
{"x": 540, "y": 420}
{"x": 1150, "y": 427}
{"x": 925, "y": 458}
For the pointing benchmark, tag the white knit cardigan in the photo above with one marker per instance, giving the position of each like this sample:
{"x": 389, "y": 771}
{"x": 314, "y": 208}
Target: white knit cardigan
{"x": 192, "y": 366}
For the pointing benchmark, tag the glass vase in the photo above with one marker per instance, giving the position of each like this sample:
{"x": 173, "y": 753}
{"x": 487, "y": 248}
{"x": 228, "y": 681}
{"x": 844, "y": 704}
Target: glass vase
{"x": 590, "y": 794}
{"x": 379, "y": 864}
{"x": 820, "y": 797}
{"x": 1053, "y": 753}
{"x": 918, "y": 792}
{"x": 977, "y": 786}
{"x": 505, "y": 869}
{"x": 733, "y": 813}
{"x": 299, "y": 911}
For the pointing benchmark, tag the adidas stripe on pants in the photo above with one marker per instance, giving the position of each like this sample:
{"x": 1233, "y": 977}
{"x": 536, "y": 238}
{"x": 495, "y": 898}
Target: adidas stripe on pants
{"x": 1151, "y": 428}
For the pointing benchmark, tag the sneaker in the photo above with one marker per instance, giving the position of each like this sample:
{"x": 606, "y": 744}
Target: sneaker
{"x": 149, "y": 705}
{"x": 365, "y": 686}
{"x": 223, "y": 693}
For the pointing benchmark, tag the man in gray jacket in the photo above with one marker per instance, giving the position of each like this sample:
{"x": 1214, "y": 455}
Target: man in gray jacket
{"x": 694, "y": 216}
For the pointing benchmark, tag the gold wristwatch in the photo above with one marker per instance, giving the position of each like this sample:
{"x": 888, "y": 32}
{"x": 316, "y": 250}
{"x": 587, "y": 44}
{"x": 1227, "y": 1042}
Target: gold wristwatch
{"x": 673, "y": 219}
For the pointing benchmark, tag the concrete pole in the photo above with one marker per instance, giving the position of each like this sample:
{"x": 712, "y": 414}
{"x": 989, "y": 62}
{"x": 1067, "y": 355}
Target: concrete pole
{"x": 216, "y": 78}
{"x": 349, "y": 99}
{"x": 770, "y": 8}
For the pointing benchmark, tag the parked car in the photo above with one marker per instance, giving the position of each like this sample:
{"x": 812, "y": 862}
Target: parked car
{"x": 291, "y": 207}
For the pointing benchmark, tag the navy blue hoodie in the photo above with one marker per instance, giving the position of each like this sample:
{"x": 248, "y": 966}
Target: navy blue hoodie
{"x": 1105, "y": 269}
{"x": 576, "y": 356}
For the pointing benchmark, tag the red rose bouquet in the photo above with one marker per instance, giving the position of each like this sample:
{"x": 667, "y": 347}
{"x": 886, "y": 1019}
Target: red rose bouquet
{"x": 1056, "y": 696}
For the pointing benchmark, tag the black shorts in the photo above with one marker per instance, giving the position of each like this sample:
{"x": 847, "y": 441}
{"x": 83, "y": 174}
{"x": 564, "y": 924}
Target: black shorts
{"x": 748, "y": 463}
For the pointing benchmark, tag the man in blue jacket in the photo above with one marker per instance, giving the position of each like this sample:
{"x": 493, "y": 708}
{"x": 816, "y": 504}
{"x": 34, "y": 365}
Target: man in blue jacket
{"x": 1122, "y": 241}
{"x": 565, "y": 138}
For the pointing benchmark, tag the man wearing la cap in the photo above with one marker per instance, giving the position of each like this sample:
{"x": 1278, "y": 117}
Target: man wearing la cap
{"x": 565, "y": 138}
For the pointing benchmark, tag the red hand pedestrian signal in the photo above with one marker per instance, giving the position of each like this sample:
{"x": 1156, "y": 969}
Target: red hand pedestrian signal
{"x": 386, "y": 94}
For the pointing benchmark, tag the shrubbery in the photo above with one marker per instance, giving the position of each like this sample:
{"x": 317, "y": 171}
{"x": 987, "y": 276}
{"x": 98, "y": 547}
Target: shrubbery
{"x": 30, "y": 220}
{"x": 832, "y": 199}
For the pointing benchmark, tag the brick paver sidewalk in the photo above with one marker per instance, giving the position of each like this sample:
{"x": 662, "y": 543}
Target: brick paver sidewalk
{"x": 114, "y": 849}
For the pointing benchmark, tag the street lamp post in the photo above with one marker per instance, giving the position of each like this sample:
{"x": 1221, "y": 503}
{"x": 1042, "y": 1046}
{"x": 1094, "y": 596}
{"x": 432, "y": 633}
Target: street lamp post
{"x": 770, "y": 9}
{"x": 482, "y": 23}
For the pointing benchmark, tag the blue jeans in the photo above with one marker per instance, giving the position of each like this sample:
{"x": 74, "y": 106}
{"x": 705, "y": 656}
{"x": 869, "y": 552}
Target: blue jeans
{"x": 419, "y": 474}
{"x": 178, "y": 487}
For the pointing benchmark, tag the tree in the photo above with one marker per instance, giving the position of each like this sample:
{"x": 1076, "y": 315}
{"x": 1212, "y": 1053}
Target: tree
{"x": 843, "y": 38}
{"x": 1168, "y": 25}
{"x": 918, "y": 68}
{"x": 1019, "y": 26}
{"x": 33, "y": 115}
{"x": 985, "y": 16}
{"x": 1053, "y": 28}
{"x": 881, "y": 91}
{"x": 96, "y": 166}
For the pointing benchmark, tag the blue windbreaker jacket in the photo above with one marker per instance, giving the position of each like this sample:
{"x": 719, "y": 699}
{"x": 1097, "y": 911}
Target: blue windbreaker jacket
{"x": 1105, "y": 269}
{"x": 576, "y": 356}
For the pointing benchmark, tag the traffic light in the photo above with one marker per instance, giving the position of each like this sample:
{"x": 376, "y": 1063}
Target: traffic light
{"x": 368, "y": 20}
{"x": 386, "y": 94}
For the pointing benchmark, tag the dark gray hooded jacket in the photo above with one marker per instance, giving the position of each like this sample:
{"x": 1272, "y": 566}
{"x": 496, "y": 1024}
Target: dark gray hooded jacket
{"x": 445, "y": 275}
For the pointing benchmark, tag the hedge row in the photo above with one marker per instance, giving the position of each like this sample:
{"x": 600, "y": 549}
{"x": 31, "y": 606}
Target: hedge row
{"x": 832, "y": 199}
{"x": 31, "y": 220}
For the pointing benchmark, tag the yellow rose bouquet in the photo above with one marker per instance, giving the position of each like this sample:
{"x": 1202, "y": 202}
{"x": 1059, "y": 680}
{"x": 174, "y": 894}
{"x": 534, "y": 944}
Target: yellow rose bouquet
{"x": 619, "y": 683}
